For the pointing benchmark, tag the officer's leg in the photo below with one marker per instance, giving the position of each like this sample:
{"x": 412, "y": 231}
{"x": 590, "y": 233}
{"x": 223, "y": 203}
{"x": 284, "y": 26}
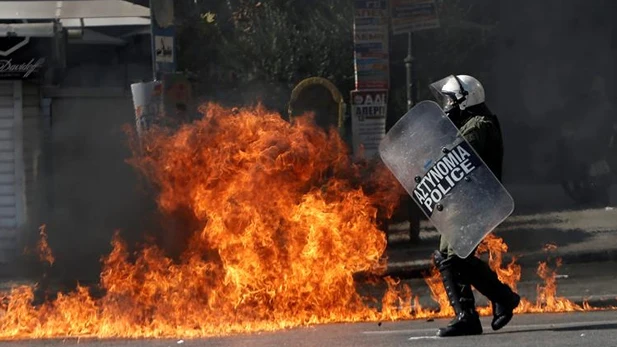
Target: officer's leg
{"x": 460, "y": 295}
{"x": 485, "y": 280}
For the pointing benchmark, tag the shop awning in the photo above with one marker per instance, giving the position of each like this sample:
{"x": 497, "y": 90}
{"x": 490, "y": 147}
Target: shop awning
{"x": 71, "y": 13}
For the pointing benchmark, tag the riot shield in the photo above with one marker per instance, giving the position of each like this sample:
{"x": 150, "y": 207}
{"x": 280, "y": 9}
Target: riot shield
{"x": 445, "y": 176}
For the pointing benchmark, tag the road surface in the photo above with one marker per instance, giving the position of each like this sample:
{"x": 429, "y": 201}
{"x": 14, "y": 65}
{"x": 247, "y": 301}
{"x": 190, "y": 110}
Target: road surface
{"x": 573, "y": 329}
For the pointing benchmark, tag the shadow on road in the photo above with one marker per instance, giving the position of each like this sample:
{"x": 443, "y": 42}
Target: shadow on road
{"x": 584, "y": 327}
{"x": 588, "y": 327}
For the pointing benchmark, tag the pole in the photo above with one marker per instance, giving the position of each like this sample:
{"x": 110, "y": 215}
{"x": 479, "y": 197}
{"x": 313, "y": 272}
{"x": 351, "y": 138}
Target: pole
{"x": 413, "y": 210}
{"x": 408, "y": 65}
{"x": 152, "y": 38}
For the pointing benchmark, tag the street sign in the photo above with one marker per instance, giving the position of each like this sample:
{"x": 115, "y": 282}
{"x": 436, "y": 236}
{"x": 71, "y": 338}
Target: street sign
{"x": 371, "y": 49}
{"x": 163, "y": 37}
{"x": 413, "y": 15}
{"x": 368, "y": 122}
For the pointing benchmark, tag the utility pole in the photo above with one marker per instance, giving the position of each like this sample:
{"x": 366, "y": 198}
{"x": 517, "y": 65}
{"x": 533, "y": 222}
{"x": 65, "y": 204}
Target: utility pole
{"x": 412, "y": 210}
{"x": 409, "y": 17}
{"x": 408, "y": 67}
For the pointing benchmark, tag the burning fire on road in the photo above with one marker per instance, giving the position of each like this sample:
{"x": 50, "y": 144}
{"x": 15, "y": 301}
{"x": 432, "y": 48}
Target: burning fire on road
{"x": 278, "y": 220}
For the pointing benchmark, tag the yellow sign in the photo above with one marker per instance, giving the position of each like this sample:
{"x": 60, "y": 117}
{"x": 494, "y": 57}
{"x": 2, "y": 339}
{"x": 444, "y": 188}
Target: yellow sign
{"x": 319, "y": 95}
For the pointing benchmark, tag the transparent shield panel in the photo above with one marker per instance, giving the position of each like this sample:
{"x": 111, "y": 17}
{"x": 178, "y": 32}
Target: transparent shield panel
{"x": 444, "y": 175}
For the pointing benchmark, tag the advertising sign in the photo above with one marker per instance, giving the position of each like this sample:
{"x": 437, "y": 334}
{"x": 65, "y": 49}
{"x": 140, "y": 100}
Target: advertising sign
{"x": 368, "y": 123}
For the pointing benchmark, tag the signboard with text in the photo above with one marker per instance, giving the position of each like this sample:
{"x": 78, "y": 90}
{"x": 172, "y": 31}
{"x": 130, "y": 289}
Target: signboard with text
{"x": 371, "y": 49}
{"x": 20, "y": 69}
{"x": 413, "y": 15}
{"x": 368, "y": 122}
{"x": 22, "y": 57}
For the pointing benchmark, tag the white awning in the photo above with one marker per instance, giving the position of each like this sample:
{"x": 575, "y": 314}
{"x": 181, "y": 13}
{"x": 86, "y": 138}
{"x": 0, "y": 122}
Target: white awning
{"x": 105, "y": 22}
{"x": 108, "y": 9}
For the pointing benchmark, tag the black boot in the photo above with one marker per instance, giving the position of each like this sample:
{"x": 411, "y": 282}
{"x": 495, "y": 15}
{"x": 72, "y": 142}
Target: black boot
{"x": 502, "y": 298}
{"x": 467, "y": 321}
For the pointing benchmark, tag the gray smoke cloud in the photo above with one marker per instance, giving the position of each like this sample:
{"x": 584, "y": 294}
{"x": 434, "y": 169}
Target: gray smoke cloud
{"x": 89, "y": 191}
{"x": 553, "y": 67}
{"x": 85, "y": 191}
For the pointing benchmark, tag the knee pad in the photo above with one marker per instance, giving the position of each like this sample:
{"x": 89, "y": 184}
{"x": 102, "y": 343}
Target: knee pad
{"x": 443, "y": 261}
{"x": 438, "y": 257}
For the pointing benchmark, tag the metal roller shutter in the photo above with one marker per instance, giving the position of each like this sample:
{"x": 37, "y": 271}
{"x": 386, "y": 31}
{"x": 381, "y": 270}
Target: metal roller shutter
{"x": 12, "y": 183}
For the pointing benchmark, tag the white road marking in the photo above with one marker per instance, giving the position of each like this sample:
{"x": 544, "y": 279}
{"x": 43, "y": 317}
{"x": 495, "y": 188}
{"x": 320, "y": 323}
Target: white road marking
{"x": 547, "y": 326}
{"x": 401, "y": 331}
{"x": 423, "y": 338}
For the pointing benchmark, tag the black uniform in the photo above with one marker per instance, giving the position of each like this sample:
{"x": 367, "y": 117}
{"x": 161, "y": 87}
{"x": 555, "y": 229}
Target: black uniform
{"x": 482, "y": 130}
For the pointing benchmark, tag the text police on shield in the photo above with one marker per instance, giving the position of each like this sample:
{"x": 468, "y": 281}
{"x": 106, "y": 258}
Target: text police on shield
{"x": 441, "y": 178}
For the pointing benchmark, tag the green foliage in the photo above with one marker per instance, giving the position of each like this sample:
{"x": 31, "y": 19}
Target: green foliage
{"x": 277, "y": 42}
{"x": 237, "y": 43}
{"x": 285, "y": 42}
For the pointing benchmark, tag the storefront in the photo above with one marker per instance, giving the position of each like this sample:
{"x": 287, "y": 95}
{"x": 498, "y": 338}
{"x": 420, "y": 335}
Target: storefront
{"x": 23, "y": 64}
{"x": 59, "y": 59}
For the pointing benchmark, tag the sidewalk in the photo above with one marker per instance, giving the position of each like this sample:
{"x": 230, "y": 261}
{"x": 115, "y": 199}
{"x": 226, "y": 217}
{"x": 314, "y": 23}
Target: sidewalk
{"x": 593, "y": 283}
{"x": 580, "y": 236}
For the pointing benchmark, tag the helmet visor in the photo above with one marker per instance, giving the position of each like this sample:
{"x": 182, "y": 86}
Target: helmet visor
{"x": 445, "y": 99}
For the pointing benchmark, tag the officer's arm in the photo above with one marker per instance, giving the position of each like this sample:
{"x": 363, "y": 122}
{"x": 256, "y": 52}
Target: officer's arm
{"x": 477, "y": 137}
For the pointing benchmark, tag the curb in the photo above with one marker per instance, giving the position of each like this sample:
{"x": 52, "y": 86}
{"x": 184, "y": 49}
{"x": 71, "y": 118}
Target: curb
{"x": 604, "y": 302}
{"x": 405, "y": 270}
{"x": 600, "y": 303}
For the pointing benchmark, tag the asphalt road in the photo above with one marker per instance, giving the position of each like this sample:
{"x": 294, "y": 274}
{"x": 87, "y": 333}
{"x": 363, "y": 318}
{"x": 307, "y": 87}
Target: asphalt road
{"x": 574, "y": 329}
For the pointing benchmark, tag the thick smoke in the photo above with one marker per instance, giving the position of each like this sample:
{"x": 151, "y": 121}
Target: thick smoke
{"x": 553, "y": 67}
{"x": 89, "y": 191}
{"x": 85, "y": 190}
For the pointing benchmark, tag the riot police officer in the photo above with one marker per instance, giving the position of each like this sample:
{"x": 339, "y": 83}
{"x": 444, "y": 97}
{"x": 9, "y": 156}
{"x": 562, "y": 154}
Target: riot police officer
{"x": 463, "y": 100}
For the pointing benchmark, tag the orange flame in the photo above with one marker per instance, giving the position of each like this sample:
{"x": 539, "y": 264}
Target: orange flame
{"x": 278, "y": 221}
{"x": 44, "y": 251}
{"x": 282, "y": 221}
{"x": 546, "y": 299}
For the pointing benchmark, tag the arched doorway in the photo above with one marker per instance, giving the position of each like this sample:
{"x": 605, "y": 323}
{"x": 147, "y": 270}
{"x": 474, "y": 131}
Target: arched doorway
{"x": 318, "y": 95}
